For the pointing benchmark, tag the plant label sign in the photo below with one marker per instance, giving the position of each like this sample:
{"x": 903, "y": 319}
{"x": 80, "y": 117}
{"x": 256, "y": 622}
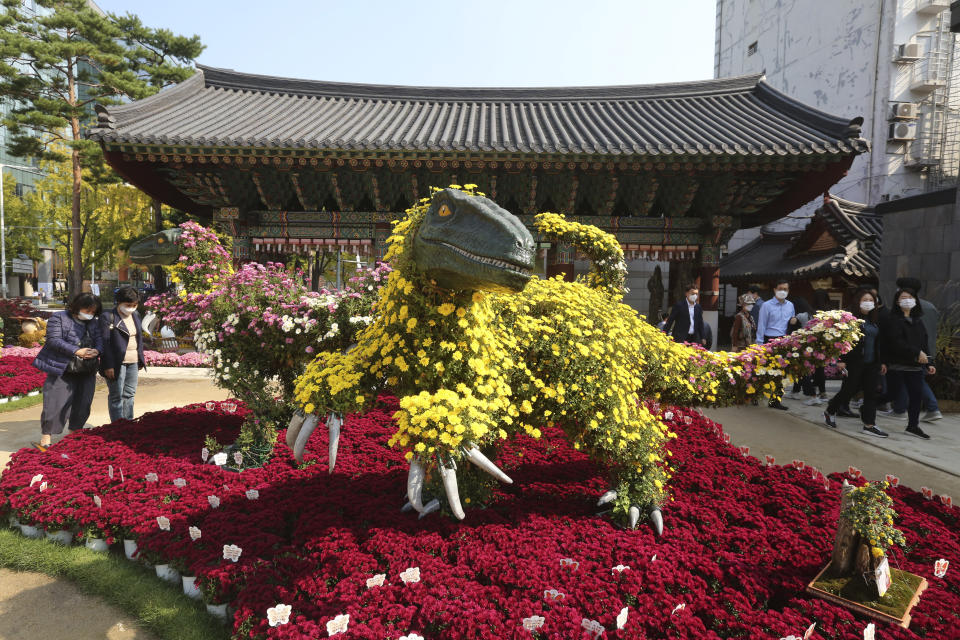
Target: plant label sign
{"x": 940, "y": 567}
{"x": 533, "y": 623}
{"x": 592, "y": 626}
{"x": 882, "y": 575}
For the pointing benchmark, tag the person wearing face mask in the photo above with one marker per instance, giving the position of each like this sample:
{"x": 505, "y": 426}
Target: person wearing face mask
{"x": 69, "y": 358}
{"x": 744, "y": 331}
{"x": 862, "y": 368}
{"x": 903, "y": 346}
{"x": 123, "y": 353}
{"x": 685, "y": 323}
{"x": 777, "y": 315}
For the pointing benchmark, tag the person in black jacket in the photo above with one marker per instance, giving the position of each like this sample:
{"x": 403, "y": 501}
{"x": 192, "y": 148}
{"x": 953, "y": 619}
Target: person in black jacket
{"x": 685, "y": 323}
{"x": 122, "y": 356}
{"x": 903, "y": 345}
{"x": 861, "y": 367}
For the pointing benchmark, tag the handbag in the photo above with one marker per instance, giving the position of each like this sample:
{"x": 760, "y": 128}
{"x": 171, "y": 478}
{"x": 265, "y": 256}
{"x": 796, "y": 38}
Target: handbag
{"x": 83, "y": 365}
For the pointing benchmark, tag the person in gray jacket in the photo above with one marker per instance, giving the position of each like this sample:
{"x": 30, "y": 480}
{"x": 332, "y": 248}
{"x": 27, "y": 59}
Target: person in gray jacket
{"x": 67, "y": 396}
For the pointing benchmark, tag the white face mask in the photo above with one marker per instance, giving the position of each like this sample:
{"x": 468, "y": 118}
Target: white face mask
{"x": 781, "y": 294}
{"x": 85, "y": 316}
{"x": 749, "y": 307}
{"x": 126, "y": 310}
{"x": 692, "y": 298}
{"x": 867, "y": 306}
{"x": 908, "y": 303}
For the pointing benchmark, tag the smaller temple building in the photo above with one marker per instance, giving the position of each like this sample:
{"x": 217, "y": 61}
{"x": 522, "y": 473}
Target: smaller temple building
{"x": 837, "y": 252}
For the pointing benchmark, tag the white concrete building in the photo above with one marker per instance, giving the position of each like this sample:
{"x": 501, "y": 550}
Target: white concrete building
{"x": 885, "y": 60}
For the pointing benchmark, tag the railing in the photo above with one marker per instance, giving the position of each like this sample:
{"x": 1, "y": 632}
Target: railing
{"x": 929, "y": 73}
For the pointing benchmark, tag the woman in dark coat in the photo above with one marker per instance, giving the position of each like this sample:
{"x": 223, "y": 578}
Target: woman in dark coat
{"x": 861, "y": 367}
{"x": 122, "y": 356}
{"x": 67, "y": 396}
{"x": 903, "y": 344}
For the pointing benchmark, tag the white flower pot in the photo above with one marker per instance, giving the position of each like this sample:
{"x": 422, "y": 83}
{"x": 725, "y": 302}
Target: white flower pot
{"x": 167, "y": 573}
{"x": 130, "y": 549}
{"x": 35, "y": 392}
{"x": 97, "y": 544}
{"x": 190, "y": 587}
{"x": 62, "y": 536}
{"x": 31, "y": 531}
{"x": 14, "y": 521}
{"x": 4, "y": 400}
{"x": 218, "y": 611}
{"x": 15, "y": 398}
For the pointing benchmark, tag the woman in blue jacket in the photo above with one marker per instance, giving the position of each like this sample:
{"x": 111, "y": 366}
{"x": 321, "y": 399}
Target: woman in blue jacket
{"x": 67, "y": 396}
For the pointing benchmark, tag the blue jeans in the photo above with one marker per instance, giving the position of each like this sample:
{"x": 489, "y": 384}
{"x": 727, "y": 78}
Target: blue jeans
{"x": 120, "y": 392}
{"x": 927, "y": 398}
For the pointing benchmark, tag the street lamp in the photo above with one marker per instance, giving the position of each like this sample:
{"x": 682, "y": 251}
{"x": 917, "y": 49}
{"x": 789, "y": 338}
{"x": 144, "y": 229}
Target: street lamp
{"x": 3, "y": 226}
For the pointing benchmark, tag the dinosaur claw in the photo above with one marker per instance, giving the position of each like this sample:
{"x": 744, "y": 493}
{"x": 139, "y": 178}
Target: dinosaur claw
{"x": 474, "y": 455}
{"x": 309, "y": 424}
{"x": 656, "y": 520}
{"x": 334, "y": 420}
{"x": 407, "y": 506}
{"x": 449, "y": 477}
{"x": 415, "y": 484}
{"x": 634, "y": 516}
{"x": 294, "y": 428}
{"x": 609, "y": 496}
{"x": 429, "y": 508}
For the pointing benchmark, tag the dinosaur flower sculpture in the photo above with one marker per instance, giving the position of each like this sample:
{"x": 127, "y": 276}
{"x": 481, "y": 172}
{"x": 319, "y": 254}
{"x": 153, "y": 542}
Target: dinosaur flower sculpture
{"x": 477, "y": 349}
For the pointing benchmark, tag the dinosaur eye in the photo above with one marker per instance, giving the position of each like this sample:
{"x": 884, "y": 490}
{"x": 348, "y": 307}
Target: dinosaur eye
{"x": 444, "y": 211}
{"x": 160, "y": 240}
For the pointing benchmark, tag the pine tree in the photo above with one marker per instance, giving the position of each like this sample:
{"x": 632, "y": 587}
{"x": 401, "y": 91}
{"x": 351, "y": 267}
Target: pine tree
{"x": 56, "y": 64}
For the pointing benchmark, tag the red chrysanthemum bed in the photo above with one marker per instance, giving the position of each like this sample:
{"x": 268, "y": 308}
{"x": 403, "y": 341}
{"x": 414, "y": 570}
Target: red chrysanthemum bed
{"x": 742, "y": 539}
{"x": 18, "y": 377}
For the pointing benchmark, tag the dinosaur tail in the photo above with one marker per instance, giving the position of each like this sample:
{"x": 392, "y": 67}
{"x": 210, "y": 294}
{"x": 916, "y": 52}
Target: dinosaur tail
{"x": 608, "y": 270}
{"x": 700, "y": 377}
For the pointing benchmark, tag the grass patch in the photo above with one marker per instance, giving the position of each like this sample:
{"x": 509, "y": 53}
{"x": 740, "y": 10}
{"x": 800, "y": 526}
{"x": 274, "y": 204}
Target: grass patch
{"x": 158, "y": 606}
{"x": 895, "y": 601}
{"x": 22, "y": 403}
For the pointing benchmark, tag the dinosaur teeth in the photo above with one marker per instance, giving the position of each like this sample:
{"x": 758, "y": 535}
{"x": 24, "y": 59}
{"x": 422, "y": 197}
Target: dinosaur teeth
{"x": 494, "y": 262}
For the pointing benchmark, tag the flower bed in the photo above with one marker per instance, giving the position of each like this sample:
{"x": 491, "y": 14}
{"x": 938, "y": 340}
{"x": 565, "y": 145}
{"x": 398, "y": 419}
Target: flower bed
{"x": 18, "y": 377}
{"x": 741, "y": 543}
{"x": 153, "y": 358}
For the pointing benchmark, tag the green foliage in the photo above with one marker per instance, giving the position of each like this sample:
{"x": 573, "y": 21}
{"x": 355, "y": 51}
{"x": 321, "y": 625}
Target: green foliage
{"x": 871, "y": 513}
{"x": 160, "y": 608}
{"x": 61, "y": 61}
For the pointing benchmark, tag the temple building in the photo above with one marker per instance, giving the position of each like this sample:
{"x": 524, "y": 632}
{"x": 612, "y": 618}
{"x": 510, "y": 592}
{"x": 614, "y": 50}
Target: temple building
{"x": 291, "y": 166}
{"x": 835, "y": 253}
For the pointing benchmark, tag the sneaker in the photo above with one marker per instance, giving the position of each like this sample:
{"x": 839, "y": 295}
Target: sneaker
{"x": 895, "y": 415}
{"x": 41, "y": 447}
{"x": 873, "y": 431}
{"x": 824, "y": 396}
{"x": 828, "y": 420}
{"x": 856, "y": 404}
{"x": 932, "y": 416}
{"x": 793, "y": 395}
{"x": 776, "y": 404}
{"x": 813, "y": 401}
{"x": 846, "y": 413}
{"x": 884, "y": 408}
{"x": 918, "y": 432}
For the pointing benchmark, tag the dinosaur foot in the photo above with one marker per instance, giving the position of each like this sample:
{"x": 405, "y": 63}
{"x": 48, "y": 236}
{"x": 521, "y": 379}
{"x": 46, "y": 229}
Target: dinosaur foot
{"x": 633, "y": 514}
{"x": 301, "y": 428}
{"x": 448, "y": 476}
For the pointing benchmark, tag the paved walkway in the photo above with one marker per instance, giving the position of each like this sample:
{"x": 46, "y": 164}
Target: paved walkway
{"x": 800, "y": 434}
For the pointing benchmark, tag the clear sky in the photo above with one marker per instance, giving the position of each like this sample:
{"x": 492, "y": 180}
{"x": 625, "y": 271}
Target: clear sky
{"x": 432, "y": 42}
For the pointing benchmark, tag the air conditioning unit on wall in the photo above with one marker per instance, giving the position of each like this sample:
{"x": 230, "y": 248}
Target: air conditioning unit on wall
{"x": 908, "y": 52}
{"x": 902, "y": 131}
{"x": 905, "y": 111}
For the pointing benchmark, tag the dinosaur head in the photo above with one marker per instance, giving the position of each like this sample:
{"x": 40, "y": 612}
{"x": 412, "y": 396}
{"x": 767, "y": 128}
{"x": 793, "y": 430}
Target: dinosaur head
{"x": 157, "y": 248}
{"x": 467, "y": 242}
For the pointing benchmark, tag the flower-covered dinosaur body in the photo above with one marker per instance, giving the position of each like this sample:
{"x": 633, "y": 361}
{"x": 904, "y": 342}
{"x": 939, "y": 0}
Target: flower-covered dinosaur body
{"x": 477, "y": 349}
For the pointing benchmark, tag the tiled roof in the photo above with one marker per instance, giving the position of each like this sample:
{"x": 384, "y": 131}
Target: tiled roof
{"x": 734, "y": 116}
{"x": 855, "y": 227}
